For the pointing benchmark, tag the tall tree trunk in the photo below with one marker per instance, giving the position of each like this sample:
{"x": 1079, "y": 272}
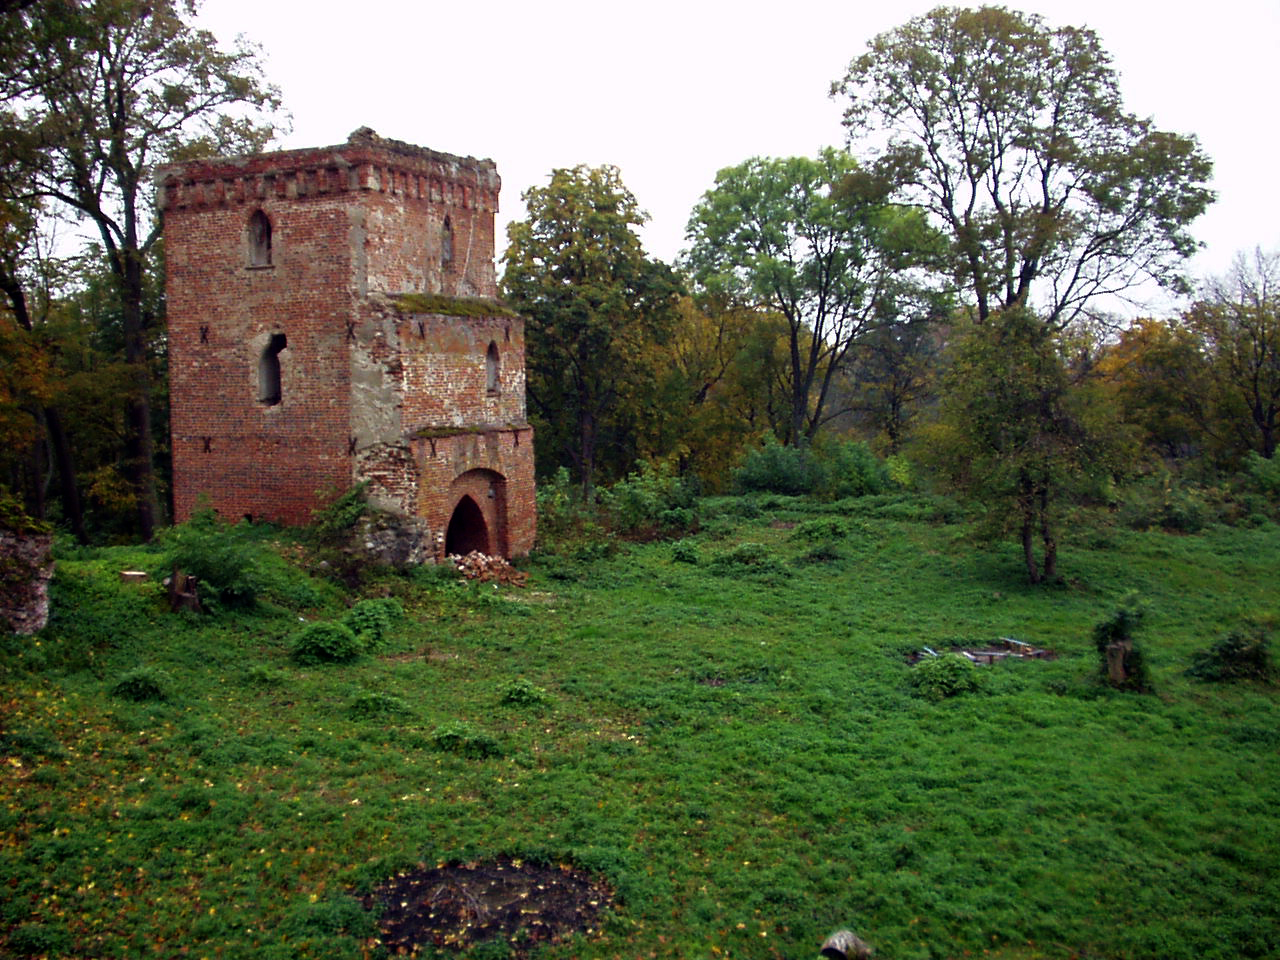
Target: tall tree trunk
{"x": 1048, "y": 538}
{"x": 139, "y": 450}
{"x": 1028, "y": 546}
{"x": 72, "y": 508}
{"x": 587, "y": 436}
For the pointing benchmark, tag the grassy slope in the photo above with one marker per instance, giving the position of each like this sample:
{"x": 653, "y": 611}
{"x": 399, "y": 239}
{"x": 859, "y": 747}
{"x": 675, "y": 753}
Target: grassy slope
{"x": 805, "y": 788}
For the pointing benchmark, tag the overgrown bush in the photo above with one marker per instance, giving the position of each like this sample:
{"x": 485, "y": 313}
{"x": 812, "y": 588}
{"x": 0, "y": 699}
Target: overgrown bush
{"x": 523, "y": 693}
{"x": 848, "y": 468}
{"x": 565, "y": 522}
{"x": 1162, "y": 502}
{"x": 900, "y": 471}
{"x": 333, "y": 523}
{"x": 1243, "y": 654}
{"x": 829, "y": 469}
{"x": 318, "y": 643}
{"x": 142, "y": 685}
{"x": 1263, "y": 474}
{"x": 651, "y": 502}
{"x": 753, "y": 560}
{"x": 685, "y": 551}
{"x": 773, "y": 468}
{"x": 375, "y": 705}
{"x": 225, "y": 559}
{"x": 464, "y": 739}
{"x": 371, "y": 620}
{"x": 1122, "y": 662}
{"x": 822, "y": 529}
{"x": 946, "y": 675}
{"x": 39, "y": 939}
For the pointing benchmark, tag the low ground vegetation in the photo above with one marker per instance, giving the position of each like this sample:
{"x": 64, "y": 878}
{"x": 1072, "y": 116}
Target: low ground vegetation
{"x": 721, "y": 731}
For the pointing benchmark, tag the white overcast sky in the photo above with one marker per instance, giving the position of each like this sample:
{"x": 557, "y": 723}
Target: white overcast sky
{"x": 670, "y": 92}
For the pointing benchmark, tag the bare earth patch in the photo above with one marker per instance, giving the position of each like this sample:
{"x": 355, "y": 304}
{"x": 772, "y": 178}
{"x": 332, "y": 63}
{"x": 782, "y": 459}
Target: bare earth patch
{"x": 459, "y": 905}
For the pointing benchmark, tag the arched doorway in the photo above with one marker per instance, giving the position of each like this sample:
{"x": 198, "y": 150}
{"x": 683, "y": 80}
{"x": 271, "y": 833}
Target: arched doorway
{"x": 467, "y": 530}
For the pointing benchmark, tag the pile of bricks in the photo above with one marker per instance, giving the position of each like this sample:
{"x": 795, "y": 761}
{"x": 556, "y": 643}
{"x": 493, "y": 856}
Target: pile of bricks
{"x": 480, "y": 566}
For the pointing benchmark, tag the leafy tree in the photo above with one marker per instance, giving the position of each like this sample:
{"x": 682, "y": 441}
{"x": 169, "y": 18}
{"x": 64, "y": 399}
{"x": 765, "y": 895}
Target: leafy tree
{"x": 699, "y": 407}
{"x": 893, "y": 380}
{"x": 1238, "y": 322}
{"x": 1161, "y": 383}
{"x": 594, "y": 302}
{"x": 1014, "y": 138}
{"x": 1018, "y": 436}
{"x": 774, "y": 233}
{"x": 97, "y": 92}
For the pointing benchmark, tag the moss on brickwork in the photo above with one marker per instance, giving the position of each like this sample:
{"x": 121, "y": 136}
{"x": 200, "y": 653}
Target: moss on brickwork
{"x": 438, "y": 303}
{"x": 438, "y": 433}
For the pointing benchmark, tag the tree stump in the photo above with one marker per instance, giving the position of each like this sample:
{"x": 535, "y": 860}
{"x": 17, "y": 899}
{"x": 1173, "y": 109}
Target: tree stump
{"x": 182, "y": 592}
{"x": 1117, "y": 655}
{"x": 844, "y": 945}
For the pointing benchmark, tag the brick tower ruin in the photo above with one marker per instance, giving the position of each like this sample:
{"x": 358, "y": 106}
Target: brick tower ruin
{"x": 332, "y": 319}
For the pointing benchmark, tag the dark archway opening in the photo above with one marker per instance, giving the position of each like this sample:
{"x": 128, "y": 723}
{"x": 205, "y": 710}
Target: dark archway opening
{"x": 467, "y": 529}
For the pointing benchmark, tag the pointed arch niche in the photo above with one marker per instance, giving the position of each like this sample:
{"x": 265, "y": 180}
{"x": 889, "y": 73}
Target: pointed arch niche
{"x": 478, "y": 518}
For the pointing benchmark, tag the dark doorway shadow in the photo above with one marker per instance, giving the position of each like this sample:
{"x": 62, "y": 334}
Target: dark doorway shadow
{"x": 467, "y": 530}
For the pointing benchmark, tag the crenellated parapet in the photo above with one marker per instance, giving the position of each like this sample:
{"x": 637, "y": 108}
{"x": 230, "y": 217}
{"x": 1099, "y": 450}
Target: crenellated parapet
{"x": 366, "y": 162}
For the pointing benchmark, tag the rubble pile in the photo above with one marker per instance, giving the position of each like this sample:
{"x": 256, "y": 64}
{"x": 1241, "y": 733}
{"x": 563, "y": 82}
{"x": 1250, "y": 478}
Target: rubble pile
{"x": 480, "y": 566}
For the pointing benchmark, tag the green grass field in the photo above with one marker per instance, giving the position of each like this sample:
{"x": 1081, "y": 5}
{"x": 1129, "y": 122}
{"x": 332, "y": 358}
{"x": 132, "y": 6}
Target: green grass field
{"x": 723, "y": 728}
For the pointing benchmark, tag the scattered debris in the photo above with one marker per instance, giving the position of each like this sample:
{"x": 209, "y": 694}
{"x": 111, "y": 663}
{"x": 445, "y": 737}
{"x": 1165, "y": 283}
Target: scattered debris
{"x": 459, "y": 905}
{"x": 1006, "y": 648}
{"x": 480, "y": 566}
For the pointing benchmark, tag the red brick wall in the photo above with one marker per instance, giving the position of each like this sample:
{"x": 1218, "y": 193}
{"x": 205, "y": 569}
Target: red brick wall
{"x": 245, "y": 456}
{"x": 454, "y": 466}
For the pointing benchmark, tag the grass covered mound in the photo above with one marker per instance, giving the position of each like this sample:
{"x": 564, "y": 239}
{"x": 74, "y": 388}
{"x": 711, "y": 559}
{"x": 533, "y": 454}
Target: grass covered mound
{"x": 724, "y": 731}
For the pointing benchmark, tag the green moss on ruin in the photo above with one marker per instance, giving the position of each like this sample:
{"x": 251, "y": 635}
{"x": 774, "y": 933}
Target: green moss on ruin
{"x": 438, "y": 303}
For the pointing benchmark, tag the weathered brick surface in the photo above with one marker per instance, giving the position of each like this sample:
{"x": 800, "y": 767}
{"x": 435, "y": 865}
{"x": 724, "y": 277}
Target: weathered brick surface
{"x": 26, "y": 567}
{"x": 414, "y": 403}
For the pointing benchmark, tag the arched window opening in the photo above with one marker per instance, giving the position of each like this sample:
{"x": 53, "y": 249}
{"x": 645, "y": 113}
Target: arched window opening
{"x": 269, "y": 388}
{"x": 491, "y": 368}
{"x": 259, "y": 240}
{"x": 446, "y": 243}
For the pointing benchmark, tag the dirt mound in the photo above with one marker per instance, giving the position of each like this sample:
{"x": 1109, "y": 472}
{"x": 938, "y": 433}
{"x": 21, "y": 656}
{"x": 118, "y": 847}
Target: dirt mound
{"x": 461, "y": 904}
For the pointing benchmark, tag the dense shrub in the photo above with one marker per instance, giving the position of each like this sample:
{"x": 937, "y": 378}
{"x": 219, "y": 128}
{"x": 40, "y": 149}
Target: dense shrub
{"x": 565, "y": 522}
{"x": 141, "y": 685}
{"x": 849, "y": 469}
{"x": 1243, "y": 654}
{"x": 375, "y": 705}
{"x": 226, "y": 559}
{"x": 371, "y": 620}
{"x": 326, "y": 643}
{"x": 822, "y": 529}
{"x": 523, "y": 693}
{"x": 685, "y": 551}
{"x": 1263, "y": 474}
{"x": 946, "y": 675}
{"x": 829, "y": 469}
{"x": 1161, "y": 502}
{"x": 651, "y": 502}
{"x": 774, "y": 468}
{"x": 465, "y": 740}
{"x": 1121, "y": 660}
